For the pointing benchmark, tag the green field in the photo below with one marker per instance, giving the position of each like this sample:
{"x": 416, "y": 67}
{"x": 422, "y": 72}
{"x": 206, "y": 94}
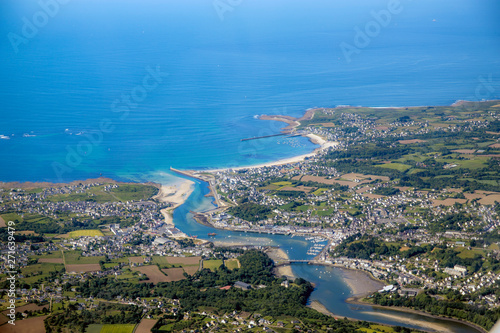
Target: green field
{"x": 377, "y": 329}
{"x": 11, "y": 217}
{"x": 75, "y": 258}
{"x": 324, "y": 212}
{"x": 41, "y": 268}
{"x": 117, "y": 328}
{"x": 284, "y": 183}
{"x": 86, "y": 233}
{"x": 33, "y": 273}
{"x": 473, "y": 163}
{"x": 319, "y": 191}
{"x": 50, "y": 255}
{"x": 464, "y": 254}
{"x": 395, "y": 166}
{"x": 232, "y": 263}
{"x": 94, "y": 328}
{"x": 124, "y": 192}
{"x": 212, "y": 264}
{"x": 162, "y": 261}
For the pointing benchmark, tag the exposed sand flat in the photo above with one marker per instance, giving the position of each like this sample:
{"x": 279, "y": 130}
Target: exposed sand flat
{"x": 316, "y": 305}
{"x": 229, "y": 243}
{"x": 176, "y": 195}
{"x": 404, "y": 319}
{"x": 320, "y": 141}
{"x": 361, "y": 283}
{"x": 284, "y": 271}
{"x": 277, "y": 254}
{"x": 291, "y": 121}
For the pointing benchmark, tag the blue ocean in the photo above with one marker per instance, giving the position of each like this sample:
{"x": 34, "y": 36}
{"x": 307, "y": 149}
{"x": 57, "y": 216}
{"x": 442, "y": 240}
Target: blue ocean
{"x": 128, "y": 88}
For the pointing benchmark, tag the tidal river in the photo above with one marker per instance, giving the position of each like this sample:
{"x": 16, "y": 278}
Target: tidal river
{"x": 331, "y": 289}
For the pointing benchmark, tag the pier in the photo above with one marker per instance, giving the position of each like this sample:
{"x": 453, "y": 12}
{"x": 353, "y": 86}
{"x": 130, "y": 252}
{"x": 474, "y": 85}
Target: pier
{"x": 264, "y": 136}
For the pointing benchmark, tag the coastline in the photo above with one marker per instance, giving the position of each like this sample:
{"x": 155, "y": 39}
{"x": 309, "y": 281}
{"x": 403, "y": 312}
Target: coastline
{"x": 359, "y": 301}
{"x": 175, "y": 195}
{"x": 33, "y": 185}
{"x": 276, "y": 254}
{"x": 290, "y": 160}
{"x": 318, "y": 306}
{"x": 361, "y": 283}
{"x": 292, "y": 123}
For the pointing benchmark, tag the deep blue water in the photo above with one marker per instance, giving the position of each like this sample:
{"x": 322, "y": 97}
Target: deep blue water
{"x": 263, "y": 57}
{"x": 78, "y": 83}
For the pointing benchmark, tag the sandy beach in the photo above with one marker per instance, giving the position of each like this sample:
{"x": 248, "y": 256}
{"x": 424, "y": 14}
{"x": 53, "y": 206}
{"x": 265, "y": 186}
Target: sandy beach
{"x": 361, "y": 283}
{"x": 431, "y": 326}
{"x": 277, "y": 255}
{"x": 314, "y": 139}
{"x": 176, "y": 195}
{"x": 228, "y": 243}
{"x": 316, "y": 305}
{"x": 285, "y": 271}
{"x": 292, "y": 124}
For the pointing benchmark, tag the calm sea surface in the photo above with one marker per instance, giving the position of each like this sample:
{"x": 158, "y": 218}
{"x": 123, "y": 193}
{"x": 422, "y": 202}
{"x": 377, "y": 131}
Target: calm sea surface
{"x": 128, "y": 88}
{"x": 90, "y": 64}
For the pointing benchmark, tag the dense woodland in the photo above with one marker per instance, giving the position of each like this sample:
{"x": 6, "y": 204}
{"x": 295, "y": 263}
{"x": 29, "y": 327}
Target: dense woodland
{"x": 451, "y": 308}
{"x": 106, "y": 313}
{"x": 203, "y": 290}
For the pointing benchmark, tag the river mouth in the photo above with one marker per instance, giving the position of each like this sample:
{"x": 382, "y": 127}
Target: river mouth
{"x": 333, "y": 285}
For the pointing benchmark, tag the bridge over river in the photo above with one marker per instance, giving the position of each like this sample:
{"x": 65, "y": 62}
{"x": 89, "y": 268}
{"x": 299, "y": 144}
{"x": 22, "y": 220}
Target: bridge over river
{"x": 278, "y": 263}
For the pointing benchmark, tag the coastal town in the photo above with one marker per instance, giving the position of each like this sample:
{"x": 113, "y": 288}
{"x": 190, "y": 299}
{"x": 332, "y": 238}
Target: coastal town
{"x": 412, "y": 202}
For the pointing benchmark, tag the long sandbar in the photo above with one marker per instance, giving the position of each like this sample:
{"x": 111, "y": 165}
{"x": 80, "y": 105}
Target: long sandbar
{"x": 175, "y": 195}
